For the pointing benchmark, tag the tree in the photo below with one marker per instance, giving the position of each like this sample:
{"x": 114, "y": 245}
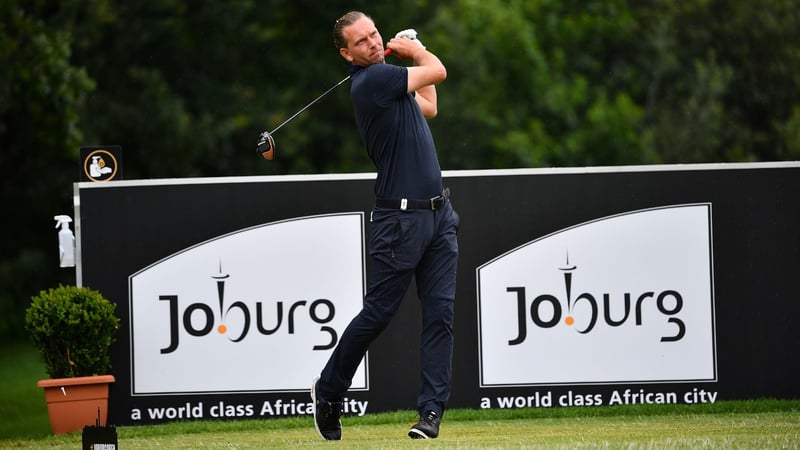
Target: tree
{"x": 563, "y": 83}
{"x": 186, "y": 87}
{"x": 721, "y": 78}
{"x": 538, "y": 83}
{"x": 42, "y": 95}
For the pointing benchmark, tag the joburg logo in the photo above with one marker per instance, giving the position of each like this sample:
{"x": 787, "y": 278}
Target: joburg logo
{"x": 199, "y": 319}
{"x": 269, "y": 302}
{"x": 634, "y": 290}
{"x": 668, "y": 302}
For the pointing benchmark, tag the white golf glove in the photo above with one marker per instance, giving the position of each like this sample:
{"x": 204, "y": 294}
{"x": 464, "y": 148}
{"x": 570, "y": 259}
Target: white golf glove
{"x": 409, "y": 34}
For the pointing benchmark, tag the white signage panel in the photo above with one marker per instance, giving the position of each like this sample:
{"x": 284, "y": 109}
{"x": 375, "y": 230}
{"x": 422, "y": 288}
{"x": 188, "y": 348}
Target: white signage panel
{"x": 625, "y": 298}
{"x": 256, "y": 310}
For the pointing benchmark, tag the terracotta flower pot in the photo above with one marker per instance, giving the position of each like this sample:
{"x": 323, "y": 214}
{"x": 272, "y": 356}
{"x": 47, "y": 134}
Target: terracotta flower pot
{"x": 72, "y": 403}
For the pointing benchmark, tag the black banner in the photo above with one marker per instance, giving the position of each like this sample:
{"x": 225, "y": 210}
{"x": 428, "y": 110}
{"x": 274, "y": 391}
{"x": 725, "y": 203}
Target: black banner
{"x": 576, "y": 287}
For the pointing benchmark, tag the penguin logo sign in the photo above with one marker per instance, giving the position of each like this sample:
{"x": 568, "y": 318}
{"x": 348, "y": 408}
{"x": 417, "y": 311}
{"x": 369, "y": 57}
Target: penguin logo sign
{"x": 100, "y": 165}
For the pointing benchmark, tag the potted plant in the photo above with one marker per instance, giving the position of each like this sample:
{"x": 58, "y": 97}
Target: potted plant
{"x": 73, "y": 328}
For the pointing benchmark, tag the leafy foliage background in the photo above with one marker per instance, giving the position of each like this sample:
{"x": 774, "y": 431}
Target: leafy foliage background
{"x": 186, "y": 86}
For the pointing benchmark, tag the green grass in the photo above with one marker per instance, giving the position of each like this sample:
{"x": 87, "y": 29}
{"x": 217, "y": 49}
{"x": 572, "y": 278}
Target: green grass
{"x": 23, "y": 412}
{"x": 729, "y": 424}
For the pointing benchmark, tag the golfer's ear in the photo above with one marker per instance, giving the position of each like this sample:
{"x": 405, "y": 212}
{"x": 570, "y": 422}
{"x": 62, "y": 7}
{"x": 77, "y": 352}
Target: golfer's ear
{"x": 345, "y": 54}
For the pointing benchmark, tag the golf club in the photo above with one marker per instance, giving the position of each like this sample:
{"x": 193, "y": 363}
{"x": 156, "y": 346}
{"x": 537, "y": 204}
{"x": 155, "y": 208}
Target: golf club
{"x": 266, "y": 143}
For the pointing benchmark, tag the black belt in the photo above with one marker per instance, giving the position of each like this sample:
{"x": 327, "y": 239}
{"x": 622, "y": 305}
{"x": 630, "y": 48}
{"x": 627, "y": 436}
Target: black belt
{"x": 409, "y": 203}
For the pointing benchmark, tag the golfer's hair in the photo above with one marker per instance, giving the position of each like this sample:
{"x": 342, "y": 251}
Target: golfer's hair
{"x": 346, "y": 20}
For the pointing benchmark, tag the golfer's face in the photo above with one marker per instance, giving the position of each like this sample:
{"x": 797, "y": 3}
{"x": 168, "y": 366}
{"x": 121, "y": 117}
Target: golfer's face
{"x": 364, "y": 43}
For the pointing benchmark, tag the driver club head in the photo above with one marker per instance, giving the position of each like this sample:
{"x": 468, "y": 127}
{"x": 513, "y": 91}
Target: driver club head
{"x": 266, "y": 145}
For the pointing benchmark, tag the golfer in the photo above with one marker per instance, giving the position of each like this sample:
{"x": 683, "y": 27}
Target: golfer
{"x": 413, "y": 226}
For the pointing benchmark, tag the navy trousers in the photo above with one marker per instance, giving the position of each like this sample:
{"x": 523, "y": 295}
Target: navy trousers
{"x": 405, "y": 244}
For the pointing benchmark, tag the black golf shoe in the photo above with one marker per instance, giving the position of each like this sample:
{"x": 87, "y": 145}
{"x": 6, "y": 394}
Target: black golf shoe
{"x": 326, "y": 415}
{"x": 427, "y": 427}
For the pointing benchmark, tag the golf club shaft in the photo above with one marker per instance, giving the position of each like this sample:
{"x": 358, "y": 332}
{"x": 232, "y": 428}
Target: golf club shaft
{"x": 388, "y": 51}
{"x": 309, "y": 105}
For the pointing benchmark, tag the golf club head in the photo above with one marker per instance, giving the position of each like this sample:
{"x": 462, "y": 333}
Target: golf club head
{"x": 266, "y": 145}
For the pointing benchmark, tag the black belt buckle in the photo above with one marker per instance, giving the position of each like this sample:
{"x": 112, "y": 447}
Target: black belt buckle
{"x": 440, "y": 199}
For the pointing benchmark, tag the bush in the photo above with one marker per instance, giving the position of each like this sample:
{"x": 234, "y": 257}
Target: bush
{"x": 73, "y": 328}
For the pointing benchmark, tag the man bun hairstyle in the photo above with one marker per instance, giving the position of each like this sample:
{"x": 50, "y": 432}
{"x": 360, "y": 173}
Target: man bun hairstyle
{"x": 346, "y": 20}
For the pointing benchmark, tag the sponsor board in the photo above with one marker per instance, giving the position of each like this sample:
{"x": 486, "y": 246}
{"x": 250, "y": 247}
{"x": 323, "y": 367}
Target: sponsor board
{"x": 256, "y": 310}
{"x": 621, "y": 299}
{"x": 568, "y": 240}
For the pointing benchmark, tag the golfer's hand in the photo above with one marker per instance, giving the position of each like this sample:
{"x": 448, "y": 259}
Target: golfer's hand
{"x": 409, "y": 34}
{"x": 405, "y": 48}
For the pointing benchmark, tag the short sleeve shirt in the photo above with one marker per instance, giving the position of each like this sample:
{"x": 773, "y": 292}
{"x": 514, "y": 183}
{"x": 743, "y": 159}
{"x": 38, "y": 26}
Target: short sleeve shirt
{"x": 395, "y": 132}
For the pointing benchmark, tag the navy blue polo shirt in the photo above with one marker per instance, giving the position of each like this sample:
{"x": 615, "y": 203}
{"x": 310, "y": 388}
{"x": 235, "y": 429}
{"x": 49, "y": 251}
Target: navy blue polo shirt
{"x": 395, "y": 133}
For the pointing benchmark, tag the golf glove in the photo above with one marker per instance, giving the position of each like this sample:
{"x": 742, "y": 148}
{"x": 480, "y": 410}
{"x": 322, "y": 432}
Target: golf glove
{"x": 409, "y": 34}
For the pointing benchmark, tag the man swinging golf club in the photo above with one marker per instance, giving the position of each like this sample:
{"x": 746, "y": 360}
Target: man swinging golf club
{"x": 413, "y": 226}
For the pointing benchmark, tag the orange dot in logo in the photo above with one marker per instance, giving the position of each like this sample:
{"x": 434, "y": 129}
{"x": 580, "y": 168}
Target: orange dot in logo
{"x": 569, "y": 320}
{"x": 222, "y": 329}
